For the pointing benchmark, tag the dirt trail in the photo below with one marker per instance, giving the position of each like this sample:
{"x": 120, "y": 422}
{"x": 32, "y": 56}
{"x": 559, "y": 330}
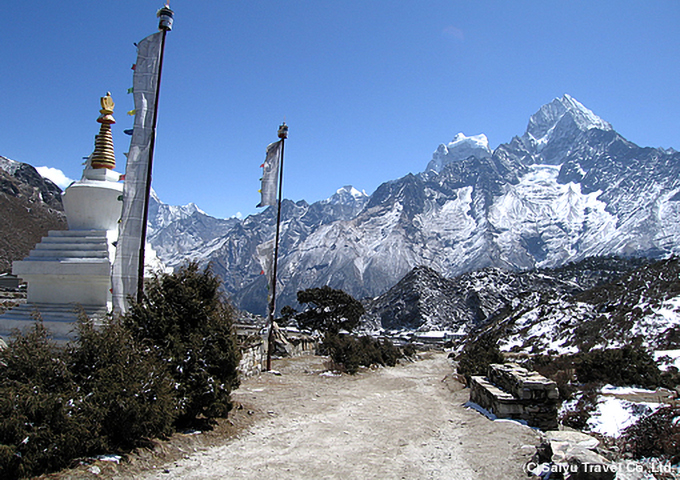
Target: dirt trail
{"x": 392, "y": 423}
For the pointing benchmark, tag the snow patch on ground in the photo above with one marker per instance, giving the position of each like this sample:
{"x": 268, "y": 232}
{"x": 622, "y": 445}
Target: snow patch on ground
{"x": 550, "y": 330}
{"x": 667, "y": 358}
{"x": 613, "y": 415}
{"x": 661, "y": 318}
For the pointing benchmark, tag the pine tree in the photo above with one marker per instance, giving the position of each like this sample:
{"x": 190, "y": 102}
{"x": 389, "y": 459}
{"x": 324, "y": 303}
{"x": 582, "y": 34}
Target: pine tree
{"x": 185, "y": 319}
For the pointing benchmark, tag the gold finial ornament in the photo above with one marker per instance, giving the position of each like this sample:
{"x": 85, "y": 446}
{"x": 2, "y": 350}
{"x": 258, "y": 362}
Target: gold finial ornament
{"x": 107, "y": 103}
{"x": 103, "y": 155}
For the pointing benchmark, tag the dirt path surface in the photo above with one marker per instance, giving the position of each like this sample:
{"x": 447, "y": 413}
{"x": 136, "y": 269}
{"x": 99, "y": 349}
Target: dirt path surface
{"x": 406, "y": 422}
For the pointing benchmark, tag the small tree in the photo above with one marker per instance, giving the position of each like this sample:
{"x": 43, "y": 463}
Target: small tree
{"x": 333, "y": 310}
{"x": 187, "y": 322}
{"x": 41, "y": 428}
{"x": 478, "y": 355}
{"x": 126, "y": 392}
{"x": 330, "y": 310}
{"x": 287, "y": 314}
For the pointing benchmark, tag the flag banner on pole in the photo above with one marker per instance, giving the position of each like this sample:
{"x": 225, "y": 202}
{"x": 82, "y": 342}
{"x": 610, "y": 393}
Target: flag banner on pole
{"x": 265, "y": 255}
{"x": 270, "y": 174}
{"x": 126, "y": 265}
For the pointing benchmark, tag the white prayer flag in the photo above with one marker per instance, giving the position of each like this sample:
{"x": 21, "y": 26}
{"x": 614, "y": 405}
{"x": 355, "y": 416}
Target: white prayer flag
{"x": 270, "y": 174}
{"x": 126, "y": 265}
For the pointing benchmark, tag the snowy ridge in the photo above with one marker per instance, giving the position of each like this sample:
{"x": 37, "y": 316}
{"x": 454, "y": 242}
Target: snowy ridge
{"x": 8, "y": 165}
{"x": 347, "y": 194}
{"x": 460, "y": 148}
{"x": 550, "y": 221}
{"x": 554, "y": 117}
{"x": 569, "y": 188}
{"x": 162, "y": 215}
{"x": 426, "y": 301}
{"x": 182, "y": 233}
{"x": 643, "y": 305}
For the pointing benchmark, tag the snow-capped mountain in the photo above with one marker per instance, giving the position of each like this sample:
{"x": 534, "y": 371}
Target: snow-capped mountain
{"x": 570, "y": 187}
{"x": 553, "y": 130}
{"x": 178, "y": 233}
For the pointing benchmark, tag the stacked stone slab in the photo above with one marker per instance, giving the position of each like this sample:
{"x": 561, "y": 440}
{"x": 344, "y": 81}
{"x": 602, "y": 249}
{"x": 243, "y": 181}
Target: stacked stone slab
{"x": 511, "y": 391}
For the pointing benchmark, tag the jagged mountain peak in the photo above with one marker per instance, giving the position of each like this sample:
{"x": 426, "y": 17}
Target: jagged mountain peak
{"x": 460, "y": 148}
{"x": 543, "y": 122}
{"x": 188, "y": 209}
{"x": 347, "y": 195}
{"x": 558, "y": 124}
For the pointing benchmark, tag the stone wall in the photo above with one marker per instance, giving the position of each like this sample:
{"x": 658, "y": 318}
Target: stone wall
{"x": 286, "y": 344}
{"x": 253, "y": 357}
{"x": 510, "y": 391}
{"x": 290, "y": 343}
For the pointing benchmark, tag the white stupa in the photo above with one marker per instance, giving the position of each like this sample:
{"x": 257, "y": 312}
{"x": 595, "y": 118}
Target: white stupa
{"x": 70, "y": 270}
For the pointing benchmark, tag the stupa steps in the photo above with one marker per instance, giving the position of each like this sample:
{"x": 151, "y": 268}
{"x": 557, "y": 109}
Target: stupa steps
{"x": 71, "y": 246}
{"x": 90, "y": 234}
{"x": 59, "y": 254}
{"x": 64, "y": 245}
{"x": 58, "y": 319}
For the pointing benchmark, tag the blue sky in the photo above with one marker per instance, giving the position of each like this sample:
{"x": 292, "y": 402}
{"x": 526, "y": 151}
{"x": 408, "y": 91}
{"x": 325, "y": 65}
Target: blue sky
{"x": 369, "y": 89}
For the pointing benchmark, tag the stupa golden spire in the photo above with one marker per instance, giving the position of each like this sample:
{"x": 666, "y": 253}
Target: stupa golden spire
{"x": 103, "y": 156}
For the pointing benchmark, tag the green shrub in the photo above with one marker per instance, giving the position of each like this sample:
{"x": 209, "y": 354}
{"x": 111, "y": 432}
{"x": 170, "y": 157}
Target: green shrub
{"x": 125, "y": 391}
{"x": 175, "y": 357}
{"x": 478, "y": 355}
{"x": 187, "y": 323}
{"x": 618, "y": 366}
{"x": 344, "y": 351}
{"x": 409, "y": 350}
{"x": 656, "y": 435}
{"x": 351, "y": 352}
{"x": 40, "y": 425}
{"x": 100, "y": 394}
{"x": 390, "y": 353}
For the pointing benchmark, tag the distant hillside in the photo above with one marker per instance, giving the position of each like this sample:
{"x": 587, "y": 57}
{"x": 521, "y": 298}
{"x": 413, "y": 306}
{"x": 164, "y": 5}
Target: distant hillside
{"x": 424, "y": 300}
{"x": 640, "y": 307}
{"x": 30, "y": 205}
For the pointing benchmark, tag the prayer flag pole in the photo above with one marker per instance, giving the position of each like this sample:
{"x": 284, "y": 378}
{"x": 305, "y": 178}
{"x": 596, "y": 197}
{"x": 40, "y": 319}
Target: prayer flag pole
{"x": 165, "y": 16}
{"x": 127, "y": 277}
{"x": 283, "y": 134}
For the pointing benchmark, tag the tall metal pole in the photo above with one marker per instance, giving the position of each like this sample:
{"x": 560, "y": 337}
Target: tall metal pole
{"x": 283, "y": 134}
{"x": 165, "y": 16}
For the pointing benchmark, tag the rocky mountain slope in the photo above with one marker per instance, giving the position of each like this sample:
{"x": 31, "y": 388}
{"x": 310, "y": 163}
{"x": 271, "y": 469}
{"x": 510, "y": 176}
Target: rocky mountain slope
{"x": 30, "y": 205}
{"x": 640, "y": 307}
{"x": 424, "y": 300}
{"x": 178, "y": 231}
{"x": 569, "y": 188}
